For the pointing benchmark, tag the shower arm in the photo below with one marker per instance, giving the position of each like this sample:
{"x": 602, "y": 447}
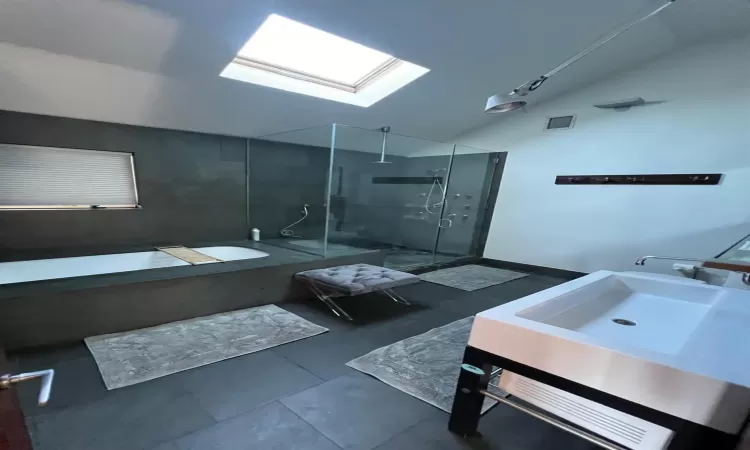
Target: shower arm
{"x": 533, "y": 85}
{"x": 385, "y": 131}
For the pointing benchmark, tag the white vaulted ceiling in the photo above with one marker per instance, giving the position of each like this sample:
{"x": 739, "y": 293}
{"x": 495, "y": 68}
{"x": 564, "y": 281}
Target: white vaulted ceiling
{"x": 157, "y": 62}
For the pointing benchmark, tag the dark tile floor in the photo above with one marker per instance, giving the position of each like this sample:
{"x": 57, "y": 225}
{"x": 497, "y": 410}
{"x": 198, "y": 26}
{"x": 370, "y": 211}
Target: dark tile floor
{"x": 295, "y": 396}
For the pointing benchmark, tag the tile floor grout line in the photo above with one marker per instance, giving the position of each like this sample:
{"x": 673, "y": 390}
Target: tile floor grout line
{"x": 303, "y": 368}
{"x": 405, "y": 430}
{"x": 174, "y": 439}
{"x": 311, "y": 425}
{"x": 260, "y": 405}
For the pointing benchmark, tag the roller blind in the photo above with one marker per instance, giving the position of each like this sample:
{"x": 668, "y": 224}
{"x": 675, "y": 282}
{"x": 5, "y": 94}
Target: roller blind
{"x": 50, "y": 177}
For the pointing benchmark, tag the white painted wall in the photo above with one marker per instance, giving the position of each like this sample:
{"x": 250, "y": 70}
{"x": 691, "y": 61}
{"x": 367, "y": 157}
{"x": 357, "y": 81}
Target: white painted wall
{"x": 703, "y": 126}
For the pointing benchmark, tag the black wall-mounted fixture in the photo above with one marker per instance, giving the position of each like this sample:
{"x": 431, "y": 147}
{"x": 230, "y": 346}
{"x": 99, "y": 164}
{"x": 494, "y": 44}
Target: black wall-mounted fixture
{"x": 625, "y": 105}
{"x": 406, "y": 180}
{"x": 666, "y": 179}
{"x": 622, "y": 105}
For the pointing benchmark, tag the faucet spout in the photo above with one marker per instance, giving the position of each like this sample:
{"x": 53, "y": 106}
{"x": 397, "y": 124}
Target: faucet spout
{"x": 745, "y": 273}
{"x": 642, "y": 261}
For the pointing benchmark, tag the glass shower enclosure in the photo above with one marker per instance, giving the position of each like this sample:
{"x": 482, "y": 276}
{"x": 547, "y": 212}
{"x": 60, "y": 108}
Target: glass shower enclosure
{"x": 341, "y": 190}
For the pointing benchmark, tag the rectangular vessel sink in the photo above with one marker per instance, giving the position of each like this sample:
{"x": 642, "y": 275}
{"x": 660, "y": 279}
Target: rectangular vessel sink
{"x": 676, "y": 346}
{"x": 640, "y": 311}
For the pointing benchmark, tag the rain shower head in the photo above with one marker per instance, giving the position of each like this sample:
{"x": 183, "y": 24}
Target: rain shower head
{"x": 385, "y": 131}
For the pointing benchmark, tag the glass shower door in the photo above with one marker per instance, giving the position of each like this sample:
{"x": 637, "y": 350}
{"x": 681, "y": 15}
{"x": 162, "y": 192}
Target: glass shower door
{"x": 388, "y": 200}
{"x": 464, "y": 215}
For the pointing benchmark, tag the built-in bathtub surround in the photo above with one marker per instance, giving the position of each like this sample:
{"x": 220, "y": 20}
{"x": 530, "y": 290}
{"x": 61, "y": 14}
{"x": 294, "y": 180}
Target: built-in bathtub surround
{"x": 424, "y": 366}
{"x": 141, "y": 355}
{"x": 81, "y": 266}
{"x": 58, "y": 311}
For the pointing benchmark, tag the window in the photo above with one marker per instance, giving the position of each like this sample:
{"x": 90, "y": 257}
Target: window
{"x": 289, "y": 55}
{"x": 61, "y": 178}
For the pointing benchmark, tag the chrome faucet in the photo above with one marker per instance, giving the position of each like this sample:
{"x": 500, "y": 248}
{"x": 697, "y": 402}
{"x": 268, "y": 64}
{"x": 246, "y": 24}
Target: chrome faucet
{"x": 642, "y": 261}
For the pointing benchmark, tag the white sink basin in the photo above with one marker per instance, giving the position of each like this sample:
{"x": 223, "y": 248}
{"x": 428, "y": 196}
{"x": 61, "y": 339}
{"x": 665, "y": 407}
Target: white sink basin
{"x": 678, "y": 347}
{"x": 637, "y": 311}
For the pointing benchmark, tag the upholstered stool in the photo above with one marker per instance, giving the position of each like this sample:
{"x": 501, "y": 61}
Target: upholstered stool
{"x": 354, "y": 279}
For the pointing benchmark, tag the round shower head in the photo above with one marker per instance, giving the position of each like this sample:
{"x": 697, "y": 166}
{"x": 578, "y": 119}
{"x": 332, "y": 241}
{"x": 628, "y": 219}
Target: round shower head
{"x": 382, "y": 162}
{"x": 503, "y": 103}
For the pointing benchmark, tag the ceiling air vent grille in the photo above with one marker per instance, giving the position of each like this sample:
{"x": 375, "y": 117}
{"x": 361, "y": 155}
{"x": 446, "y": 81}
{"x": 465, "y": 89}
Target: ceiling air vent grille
{"x": 560, "y": 122}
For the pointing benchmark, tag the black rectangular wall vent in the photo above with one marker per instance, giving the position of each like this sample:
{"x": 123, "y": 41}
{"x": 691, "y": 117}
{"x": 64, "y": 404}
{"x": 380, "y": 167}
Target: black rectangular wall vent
{"x": 561, "y": 122}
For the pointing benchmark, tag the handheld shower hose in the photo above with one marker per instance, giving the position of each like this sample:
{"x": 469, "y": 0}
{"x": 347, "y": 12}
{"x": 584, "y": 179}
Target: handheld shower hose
{"x": 287, "y": 231}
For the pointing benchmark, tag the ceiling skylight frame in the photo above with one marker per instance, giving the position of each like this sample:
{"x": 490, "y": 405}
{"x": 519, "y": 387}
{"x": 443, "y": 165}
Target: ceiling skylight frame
{"x": 287, "y": 59}
{"x": 372, "y": 76}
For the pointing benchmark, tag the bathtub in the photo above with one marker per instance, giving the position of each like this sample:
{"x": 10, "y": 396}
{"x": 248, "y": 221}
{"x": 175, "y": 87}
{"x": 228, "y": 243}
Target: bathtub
{"x": 81, "y": 266}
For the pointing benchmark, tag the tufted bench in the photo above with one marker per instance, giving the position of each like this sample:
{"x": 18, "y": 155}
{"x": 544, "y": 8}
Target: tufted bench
{"x": 354, "y": 279}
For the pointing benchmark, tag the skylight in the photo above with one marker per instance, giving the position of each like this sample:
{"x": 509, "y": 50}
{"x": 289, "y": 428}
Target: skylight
{"x": 289, "y": 55}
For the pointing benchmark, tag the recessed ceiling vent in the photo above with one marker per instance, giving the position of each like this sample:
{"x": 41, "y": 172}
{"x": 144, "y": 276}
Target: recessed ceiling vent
{"x": 561, "y": 122}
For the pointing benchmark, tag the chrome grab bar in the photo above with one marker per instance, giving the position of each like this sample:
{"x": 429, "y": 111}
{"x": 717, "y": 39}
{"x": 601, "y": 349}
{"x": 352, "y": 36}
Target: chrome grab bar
{"x": 47, "y": 376}
{"x": 596, "y": 440}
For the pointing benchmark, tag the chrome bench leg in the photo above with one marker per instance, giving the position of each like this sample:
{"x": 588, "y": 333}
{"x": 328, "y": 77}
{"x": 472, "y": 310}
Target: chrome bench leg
{"x": 395, "y": 297}
{"x": 328, "y": 301}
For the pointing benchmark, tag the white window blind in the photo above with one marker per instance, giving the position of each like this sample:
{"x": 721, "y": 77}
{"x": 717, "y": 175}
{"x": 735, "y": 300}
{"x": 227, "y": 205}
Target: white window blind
{"x": 49, "y": 178}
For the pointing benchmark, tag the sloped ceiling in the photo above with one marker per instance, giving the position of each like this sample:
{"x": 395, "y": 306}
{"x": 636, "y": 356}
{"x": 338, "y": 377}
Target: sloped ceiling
{"x": 156, "y": 62}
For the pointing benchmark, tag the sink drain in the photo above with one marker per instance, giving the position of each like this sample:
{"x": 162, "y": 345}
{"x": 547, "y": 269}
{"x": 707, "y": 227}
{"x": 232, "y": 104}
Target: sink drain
{"x": 626, "y": 322}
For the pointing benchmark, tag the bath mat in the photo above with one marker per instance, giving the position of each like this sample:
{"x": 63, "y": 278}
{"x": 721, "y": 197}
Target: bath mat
{"x": 424, "y": 366}
{"x": 471, "y": 277}
{"x": 136, "y": 356}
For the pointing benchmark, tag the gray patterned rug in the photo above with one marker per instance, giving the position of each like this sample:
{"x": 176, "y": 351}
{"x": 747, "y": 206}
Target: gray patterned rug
{"x": 471, "y": 277}
{"x": 424, "y": 366}
{"x": 136, "y": 356}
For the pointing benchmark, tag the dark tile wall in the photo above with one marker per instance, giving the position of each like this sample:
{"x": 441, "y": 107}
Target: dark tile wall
{"x": 394, "y": 214}
{"x": 191, "y": 187}
{"x": 283, "y": 178}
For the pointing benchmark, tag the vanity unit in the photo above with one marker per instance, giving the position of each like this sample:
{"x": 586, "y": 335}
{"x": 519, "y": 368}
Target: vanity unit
{"x": 628, "y": 361}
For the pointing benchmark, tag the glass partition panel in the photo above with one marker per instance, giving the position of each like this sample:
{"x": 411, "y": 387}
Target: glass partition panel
{"x": 466, "y": 210}
{"x": 385, "y": 196}
{"x": 287, "y": 188}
